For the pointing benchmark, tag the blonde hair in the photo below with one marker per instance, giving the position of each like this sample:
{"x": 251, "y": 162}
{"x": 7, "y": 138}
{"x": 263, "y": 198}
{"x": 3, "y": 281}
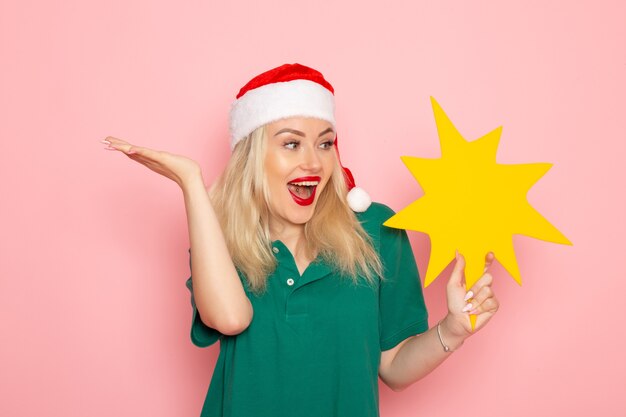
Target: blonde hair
{"x": 241, "y": 201}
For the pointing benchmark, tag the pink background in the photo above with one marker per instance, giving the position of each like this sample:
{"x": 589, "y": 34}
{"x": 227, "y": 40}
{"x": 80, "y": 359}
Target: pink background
{"x": 94, "y": 311}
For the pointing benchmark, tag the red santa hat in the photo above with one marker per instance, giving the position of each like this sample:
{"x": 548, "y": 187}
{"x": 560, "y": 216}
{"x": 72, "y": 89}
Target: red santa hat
{"x": 291, "y": 90}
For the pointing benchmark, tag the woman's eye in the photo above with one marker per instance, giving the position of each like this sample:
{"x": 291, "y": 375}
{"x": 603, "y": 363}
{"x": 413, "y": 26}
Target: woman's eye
{"x": 291, "y": 144}
{"x": 328, "y": 144}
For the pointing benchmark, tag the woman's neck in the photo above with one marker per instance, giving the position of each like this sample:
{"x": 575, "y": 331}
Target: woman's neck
{"x": 293, "y": 238}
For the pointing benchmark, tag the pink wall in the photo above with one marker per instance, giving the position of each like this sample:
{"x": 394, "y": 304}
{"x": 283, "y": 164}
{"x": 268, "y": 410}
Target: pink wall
{"x": 93, "y": 248}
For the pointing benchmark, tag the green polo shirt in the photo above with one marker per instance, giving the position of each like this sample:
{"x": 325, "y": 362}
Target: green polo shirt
{"x": 313, "y": 346}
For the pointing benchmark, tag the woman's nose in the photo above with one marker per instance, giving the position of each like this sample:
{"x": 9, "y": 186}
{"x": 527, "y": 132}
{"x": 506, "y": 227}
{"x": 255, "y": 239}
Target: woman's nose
{"x": 310, "y": 159}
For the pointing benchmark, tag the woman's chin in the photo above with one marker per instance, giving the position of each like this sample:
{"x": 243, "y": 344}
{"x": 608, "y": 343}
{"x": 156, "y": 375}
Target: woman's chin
{"x": 294, "y": 214}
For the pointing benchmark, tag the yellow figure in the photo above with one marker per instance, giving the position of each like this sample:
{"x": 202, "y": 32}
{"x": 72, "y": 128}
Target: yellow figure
{"x": 473, "y": 204}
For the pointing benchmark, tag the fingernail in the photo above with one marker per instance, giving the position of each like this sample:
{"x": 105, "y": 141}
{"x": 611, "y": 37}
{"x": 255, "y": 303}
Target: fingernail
{"x": 469, "y": 295}
{"x": 110, "y": 148}
{"x": 474, "y": 312}
{"x": 106, "y": 142}
{"x": 467, "y": 308}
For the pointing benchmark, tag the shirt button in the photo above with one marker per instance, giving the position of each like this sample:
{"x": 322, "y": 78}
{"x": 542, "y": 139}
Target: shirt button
{"x": 290, "y": 281}
{"x": 275, "y": 249}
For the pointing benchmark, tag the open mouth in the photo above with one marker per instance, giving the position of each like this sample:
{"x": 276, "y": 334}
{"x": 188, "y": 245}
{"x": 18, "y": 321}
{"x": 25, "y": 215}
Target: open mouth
{"x": 302, "y": 190}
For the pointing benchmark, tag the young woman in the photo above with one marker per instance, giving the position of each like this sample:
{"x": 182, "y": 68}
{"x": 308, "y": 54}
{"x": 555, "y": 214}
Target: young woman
{"x": 312, "y": 302}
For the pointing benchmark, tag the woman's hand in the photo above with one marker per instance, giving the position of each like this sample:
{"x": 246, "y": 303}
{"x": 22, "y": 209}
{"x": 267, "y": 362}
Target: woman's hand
{"x": 479, "y": 300}
{"x": 218, "y": 292}
{"x": 178, "y": 168}
{"x": 416, "y": 356}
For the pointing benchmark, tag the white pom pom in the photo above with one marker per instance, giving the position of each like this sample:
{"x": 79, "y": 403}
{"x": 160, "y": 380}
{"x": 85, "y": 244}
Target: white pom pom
{"x": 358, "y": 199}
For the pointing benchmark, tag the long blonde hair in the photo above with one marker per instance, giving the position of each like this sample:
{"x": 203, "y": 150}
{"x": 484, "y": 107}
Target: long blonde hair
{"x": 241, "y": 201}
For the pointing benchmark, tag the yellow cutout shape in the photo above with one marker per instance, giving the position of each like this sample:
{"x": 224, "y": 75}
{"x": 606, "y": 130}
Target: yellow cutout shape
{"x": 473, "y": 204}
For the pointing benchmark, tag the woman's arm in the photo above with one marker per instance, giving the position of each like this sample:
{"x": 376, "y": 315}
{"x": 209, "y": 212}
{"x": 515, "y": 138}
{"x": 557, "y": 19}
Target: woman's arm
{"x": 416, "y": 356}
{"x": 220, "y": 298}
{"x": 219, "y": 295}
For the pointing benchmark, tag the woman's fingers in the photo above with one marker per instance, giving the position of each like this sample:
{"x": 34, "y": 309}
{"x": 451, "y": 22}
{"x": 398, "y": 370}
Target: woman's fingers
{"x": 489, "y": 260}
{"x": 129, "y": 149}
{"x": 490, "y": 305}
{"x": 178, "y": 168}
{"x": 115, "y": 144}
{"x": 456, "y": 278}
{"x": 485, "y": 280}
{"x": 148, "y": 157}
{"x": 478, "y": 301}
{"x": 482, "y": 296}
{"x": 113, "y": 141}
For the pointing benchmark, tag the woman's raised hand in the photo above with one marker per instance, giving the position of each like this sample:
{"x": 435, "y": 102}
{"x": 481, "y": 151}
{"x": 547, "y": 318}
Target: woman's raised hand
{"x": 178, "y": 168}
{"x": 479, "y": 300}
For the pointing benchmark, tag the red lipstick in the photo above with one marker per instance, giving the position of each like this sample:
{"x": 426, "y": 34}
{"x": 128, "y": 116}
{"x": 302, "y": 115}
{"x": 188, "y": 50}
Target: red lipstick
{"x": 309, "y": 178}
{"x": 294, "y": 186}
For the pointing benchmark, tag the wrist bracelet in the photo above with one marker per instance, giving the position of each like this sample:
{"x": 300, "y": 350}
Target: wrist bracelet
{"x": 446, "y": 348}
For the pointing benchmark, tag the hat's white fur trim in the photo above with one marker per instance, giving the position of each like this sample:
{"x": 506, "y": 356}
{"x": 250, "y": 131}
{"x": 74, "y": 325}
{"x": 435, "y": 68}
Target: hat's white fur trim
{"x": 276, "y": 101}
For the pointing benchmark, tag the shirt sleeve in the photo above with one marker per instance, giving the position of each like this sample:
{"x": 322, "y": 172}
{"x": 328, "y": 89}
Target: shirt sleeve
{"x": 201, "y": 334}
{"x": 402, "y": 309}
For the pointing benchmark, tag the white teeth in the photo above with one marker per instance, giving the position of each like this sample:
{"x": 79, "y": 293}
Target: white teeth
{"x": 305, "y": 183}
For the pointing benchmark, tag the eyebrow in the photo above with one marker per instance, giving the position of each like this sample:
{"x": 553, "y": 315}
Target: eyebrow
{"x": 297, "y": 132}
